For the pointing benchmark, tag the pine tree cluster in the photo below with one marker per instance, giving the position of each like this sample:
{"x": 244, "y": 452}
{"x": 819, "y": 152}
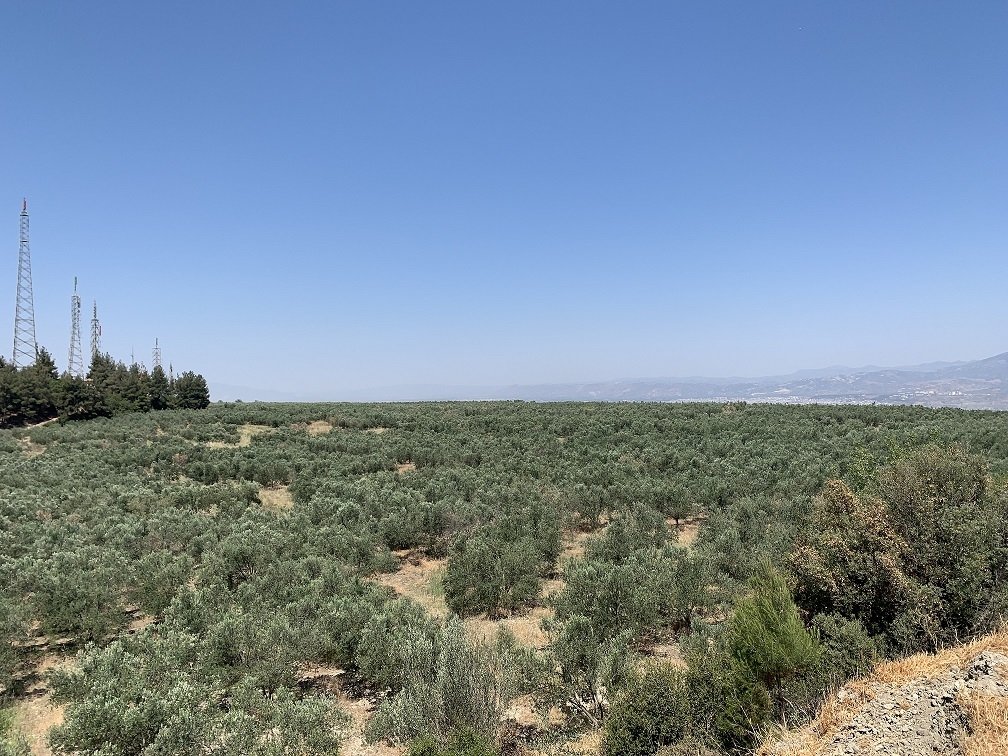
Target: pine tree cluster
{"x": 37, "y": 392}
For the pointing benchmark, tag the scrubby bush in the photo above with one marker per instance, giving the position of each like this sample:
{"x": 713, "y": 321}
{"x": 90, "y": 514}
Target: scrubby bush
{"x": 653, "y": 710}
{"x": 464, "y": 742}
{"x": 467, "y": 688}
{"x": 847, "y": 651}
{"x": 917, "y": 558}
{"x": 492, "y": 576}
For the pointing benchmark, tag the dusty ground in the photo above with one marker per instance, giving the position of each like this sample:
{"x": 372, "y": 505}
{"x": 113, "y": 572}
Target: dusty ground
{"x": 319, "y": 428}
{"x": 360, "y": 711}
{"x": 34, "y": 713}
{"x": 688, "y": 532}
{"x": 276, "y": 498}
{"x": 378, "y": 430}
{"x": 418, "y": 578}
{"x": 29, "y": 448}
{"x": 954, "y": 702}
{"x": 359, "y": 706}
{"x": 245, "y": 435}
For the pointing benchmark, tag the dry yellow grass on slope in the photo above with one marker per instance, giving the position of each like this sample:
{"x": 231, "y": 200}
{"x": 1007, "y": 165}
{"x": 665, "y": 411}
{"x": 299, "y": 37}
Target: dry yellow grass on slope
{"x": 987, "y": 714}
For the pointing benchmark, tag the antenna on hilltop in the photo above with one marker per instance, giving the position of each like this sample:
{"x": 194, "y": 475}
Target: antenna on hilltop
{"x": 25, "y": 346}
{"x": 75, "y": 358}
{"x": 95, "y": 332}
{"x": 156, "y": 360}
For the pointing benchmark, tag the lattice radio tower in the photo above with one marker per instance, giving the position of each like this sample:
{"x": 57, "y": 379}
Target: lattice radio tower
{"x": 156, "y": 359}
{"x": 95, "y": 331}
{"x": 25, "y": 346}
{"x": 75, "y": 357}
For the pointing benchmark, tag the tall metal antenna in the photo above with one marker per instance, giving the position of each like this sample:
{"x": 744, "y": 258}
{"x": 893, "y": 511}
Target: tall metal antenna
{"x": 75, "y": 358}
{"x": 25, "y": 346}
{"x": 95, "y": 332}
{"x": 156, "y": 360}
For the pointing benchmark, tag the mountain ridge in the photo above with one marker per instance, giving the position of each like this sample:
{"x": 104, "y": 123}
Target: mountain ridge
{"x": 973, "y": 384}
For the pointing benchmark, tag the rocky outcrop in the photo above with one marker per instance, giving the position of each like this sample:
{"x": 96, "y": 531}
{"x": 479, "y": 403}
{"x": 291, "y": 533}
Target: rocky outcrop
{"x": 954, "y": 703}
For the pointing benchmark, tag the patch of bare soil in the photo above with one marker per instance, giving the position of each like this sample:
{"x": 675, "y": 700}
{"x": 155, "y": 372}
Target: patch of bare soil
{"x": 954, "y": 702}
{"x": 587, "y": 744}
{"x": 526, "y": 628}
{"x": 686, "y": 530}
{"x": 358, "y": 705}
{"x": 276, "y": 498}
{"x": 34, "y": 713}
{"x": 377, "y": 430}
{"x": 30, "y": 449}
{"x": 573, "y": 546}
{"x": 245, "y": 434}
{"x": 419, "y": 578}
{"x": 319, "y": 428}
{"x": 665, "y": 652}
{"x": 405, "y": 467}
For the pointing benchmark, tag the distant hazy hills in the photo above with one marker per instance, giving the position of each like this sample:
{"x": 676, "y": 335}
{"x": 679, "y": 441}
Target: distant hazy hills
{"x": 977, "y": 384}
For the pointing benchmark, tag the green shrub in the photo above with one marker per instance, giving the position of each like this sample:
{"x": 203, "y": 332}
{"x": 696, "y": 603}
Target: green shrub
{"x": 765, "y": 634}
{"x": 486, "y": 575}
{"x": 463, "y": 742}
{"x": 467, "y": 688}
{"x": 653, "y": 710}
{"x": 729, "y": 707}
{"x": 847, "y": 652}
{"x": 919, "y": 560}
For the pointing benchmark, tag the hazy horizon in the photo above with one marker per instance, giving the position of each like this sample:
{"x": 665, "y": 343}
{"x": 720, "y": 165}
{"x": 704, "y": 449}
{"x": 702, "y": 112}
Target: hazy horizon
{"x": 342, "y": 197}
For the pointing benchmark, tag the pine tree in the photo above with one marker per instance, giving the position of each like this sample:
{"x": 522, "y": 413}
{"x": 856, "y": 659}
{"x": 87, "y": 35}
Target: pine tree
{"x": 160, "y": 391}
{"x": 191, "y": 391}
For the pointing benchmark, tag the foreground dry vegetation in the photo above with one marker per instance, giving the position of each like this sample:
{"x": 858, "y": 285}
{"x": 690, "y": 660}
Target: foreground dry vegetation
{"x": 487, "y": 578}
{"x": 898, "y": 708}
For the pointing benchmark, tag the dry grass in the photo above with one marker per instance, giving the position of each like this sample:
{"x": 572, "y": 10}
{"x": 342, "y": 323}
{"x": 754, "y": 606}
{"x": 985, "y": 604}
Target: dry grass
{"x": 34, "y": 714}
{"x": 526, "y": 628}
{"x": 378, "y": 430}
{"x": 30, "y": 449}
{"x": 319, "y": 428}
{"x": 988, "y": 718}
{"x": 419, "y": 578}
{"x": 923, "y": 666}
{"x": 245, "y": 434}
{"x": 276, "y": 498}
{"x": 587, "y": 744}
{"x": 405, "y": 467}
{"x": 573, "y": 546}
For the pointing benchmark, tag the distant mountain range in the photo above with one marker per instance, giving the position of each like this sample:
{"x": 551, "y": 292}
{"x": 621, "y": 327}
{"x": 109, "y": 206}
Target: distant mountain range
{"x": 979, "y": 384}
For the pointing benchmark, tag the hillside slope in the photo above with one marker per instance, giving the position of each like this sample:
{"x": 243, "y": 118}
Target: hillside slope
{"x": 954, "y": 702}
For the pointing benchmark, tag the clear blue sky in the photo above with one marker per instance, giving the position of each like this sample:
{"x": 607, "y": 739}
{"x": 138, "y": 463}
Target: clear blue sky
{"x": 311, "y": 197}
